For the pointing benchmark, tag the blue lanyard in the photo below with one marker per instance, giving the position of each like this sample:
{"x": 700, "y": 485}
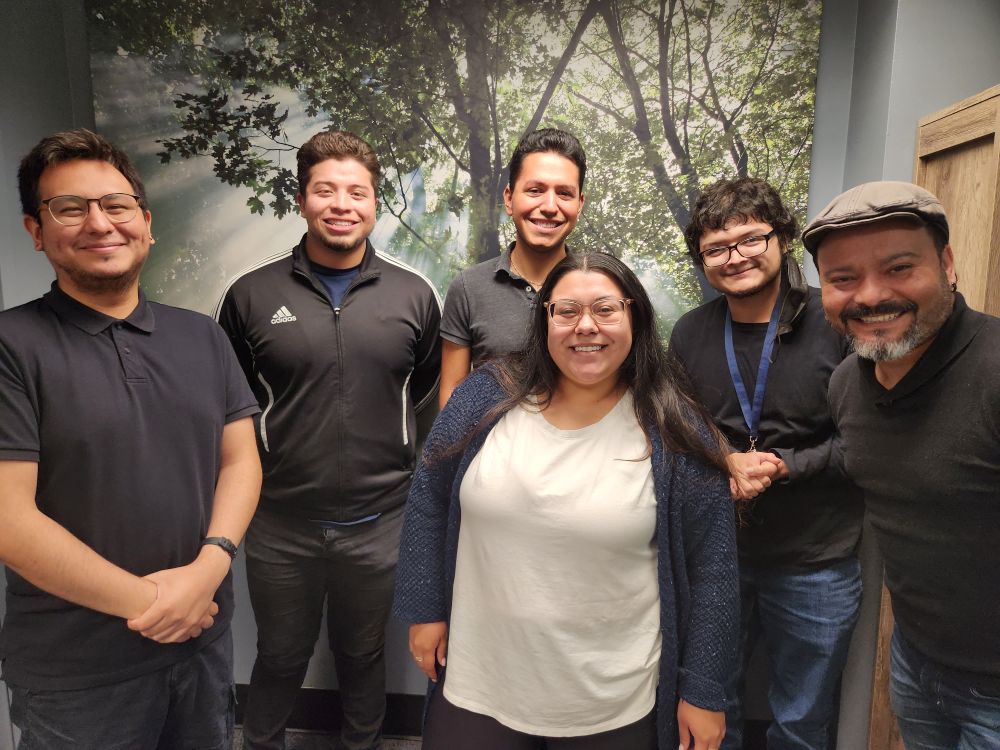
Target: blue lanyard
{"x": 752, "y": 415}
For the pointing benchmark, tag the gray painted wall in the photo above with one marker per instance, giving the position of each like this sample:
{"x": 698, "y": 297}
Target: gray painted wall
{"x": 45, "y": 85}
{"x": 913, "y": 57}
{"x": 872, "y": 76}
{"x": 943, "y": 52}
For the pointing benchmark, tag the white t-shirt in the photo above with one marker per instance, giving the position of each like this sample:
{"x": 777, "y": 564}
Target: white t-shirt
{"x": 555, "y": 625}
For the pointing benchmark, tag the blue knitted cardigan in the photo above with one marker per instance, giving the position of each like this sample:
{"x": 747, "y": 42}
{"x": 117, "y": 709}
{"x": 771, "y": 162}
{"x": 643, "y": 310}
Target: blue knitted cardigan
{"x": 696, "y": 544}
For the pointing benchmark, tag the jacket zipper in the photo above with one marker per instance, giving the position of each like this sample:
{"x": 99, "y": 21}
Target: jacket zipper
{"x": 340, "y": 398}
{"x": 360, "y": 278}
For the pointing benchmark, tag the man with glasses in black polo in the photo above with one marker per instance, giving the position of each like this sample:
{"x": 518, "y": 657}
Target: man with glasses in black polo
{"x": 128, "y": 474}
{"x": 760, "y": 358}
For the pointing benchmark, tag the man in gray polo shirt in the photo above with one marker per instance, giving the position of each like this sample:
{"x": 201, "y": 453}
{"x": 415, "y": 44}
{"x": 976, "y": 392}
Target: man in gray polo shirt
{"x": 488, "y": 306}
{"x": 128, "y": 474}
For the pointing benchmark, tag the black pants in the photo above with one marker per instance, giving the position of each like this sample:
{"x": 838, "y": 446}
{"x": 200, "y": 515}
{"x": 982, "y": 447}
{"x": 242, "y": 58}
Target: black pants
{"x": 293, "y": 566}
{"x": 449, "y": 727}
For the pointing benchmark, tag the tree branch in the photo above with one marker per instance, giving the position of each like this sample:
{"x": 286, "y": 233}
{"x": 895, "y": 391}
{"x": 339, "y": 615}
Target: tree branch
{"x": 426, "y": 120}
{"x": 651, "y": 158}
{"x": 589, "y": 12}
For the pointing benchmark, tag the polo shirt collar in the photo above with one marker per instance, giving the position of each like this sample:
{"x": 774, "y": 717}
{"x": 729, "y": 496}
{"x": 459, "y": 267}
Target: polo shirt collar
{"x": 503, "y": 261}
{"x": 92, "y": 321}
{"x": 955, "y": 335}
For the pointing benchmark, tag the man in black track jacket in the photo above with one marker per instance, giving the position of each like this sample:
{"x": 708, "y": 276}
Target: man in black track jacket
{"x": 341, "y": 346}
{"x": 800, "y": 579}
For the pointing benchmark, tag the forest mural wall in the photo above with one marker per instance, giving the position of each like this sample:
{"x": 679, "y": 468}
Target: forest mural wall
{"x": 666, "y": 96}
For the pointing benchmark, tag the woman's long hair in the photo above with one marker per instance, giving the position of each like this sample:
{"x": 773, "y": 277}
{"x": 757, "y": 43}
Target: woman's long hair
{"x": 659, "y": 387}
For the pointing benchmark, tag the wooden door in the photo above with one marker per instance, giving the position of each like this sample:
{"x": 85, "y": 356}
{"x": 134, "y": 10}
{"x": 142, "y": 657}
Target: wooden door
{"x": 958, "y": 159}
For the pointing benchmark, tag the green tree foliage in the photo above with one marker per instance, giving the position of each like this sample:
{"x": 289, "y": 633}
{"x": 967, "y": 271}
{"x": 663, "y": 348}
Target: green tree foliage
{"x": 666, "y": 95}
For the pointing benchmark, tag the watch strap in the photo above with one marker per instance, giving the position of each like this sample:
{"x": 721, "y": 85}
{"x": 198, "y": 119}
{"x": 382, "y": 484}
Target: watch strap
{"x": 221, "y": 541}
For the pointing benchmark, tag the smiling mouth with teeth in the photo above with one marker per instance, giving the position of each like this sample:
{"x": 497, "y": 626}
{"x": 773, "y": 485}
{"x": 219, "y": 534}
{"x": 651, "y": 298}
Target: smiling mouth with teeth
{"x": 592, "y": 348}
{"x": 882, "y": 313}
{"x": 879, "y": 318}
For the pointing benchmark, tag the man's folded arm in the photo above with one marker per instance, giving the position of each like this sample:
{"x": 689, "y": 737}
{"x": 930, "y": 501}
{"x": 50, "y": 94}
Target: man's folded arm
{"x": 44, "y": 553}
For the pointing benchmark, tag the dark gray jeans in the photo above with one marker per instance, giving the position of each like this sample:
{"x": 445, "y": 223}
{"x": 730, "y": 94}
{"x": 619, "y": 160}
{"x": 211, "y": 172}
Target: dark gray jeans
{"x": 189, "y": 704}
{"x": 293, "y": 566}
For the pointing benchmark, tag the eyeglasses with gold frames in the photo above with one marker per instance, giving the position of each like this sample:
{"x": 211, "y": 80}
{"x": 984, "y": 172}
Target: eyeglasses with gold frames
{"x": 72, "y": 210}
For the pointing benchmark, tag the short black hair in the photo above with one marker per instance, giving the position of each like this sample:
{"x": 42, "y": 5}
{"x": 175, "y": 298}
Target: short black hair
{"x": 336, "y": 144}
{"x": 543, "y": 140}
{"x": 71, "y": 145}
{"x": 745, "y": 199}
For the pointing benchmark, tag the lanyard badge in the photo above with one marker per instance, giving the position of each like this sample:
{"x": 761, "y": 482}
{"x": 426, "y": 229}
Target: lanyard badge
{"x": 751, "y": 413}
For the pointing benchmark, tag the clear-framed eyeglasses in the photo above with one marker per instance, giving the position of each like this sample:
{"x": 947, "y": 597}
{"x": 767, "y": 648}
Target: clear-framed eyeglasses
{"x": 72, "y": 210}
{"x": 567, "y": 312}
{"x": 748, "y": 248}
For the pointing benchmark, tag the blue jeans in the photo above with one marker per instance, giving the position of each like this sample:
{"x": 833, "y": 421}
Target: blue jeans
{"x": 938, "y": 710}
{"x": 187, "y": 705}
{"x": 294, "y": 567}
{"x": 806, "y": 617}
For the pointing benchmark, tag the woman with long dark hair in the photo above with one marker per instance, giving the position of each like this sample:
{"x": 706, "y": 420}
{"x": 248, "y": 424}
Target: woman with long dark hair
{"x": 569, "y": 542}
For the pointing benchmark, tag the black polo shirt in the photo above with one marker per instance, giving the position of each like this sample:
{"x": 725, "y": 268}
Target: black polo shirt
{"x": 125, "y": 420}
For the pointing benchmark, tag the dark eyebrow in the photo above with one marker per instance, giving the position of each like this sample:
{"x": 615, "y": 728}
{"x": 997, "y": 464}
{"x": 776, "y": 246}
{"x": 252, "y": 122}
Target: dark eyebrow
{"x": 899, "y": 256}
{"x": 327, "y": 183}
{"x": 597, "y": 299}
{"x": 748, "y": 235}
{"x": 543, "y": 183}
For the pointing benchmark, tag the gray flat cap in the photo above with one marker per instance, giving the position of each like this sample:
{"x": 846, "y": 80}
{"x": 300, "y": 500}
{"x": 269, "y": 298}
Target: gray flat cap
{"x": 872, "y": 202}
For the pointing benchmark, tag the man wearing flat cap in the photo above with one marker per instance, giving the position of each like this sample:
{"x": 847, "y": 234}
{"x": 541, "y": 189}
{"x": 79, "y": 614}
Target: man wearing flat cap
{"x": 918, "y": 408}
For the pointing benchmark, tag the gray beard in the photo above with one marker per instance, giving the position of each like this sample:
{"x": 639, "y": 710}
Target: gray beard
{"x": 879, "y": 350}
{"x": 919, "y": 331}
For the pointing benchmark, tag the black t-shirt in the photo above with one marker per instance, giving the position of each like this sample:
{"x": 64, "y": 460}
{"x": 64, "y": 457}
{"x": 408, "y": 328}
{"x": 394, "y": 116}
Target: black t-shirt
{"x": 814, "y": 517}
{"x": 748, "y": 343}
{"x": 125, "y": 420}
{"x": 927, "y": 455}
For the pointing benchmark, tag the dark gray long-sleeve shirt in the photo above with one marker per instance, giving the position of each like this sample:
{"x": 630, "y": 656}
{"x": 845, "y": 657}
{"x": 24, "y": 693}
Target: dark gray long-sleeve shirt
{"x": 927, "y": 455}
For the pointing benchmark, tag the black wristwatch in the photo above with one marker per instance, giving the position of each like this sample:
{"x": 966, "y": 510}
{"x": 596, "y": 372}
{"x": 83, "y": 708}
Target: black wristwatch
{"x": 221, "y": 541}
